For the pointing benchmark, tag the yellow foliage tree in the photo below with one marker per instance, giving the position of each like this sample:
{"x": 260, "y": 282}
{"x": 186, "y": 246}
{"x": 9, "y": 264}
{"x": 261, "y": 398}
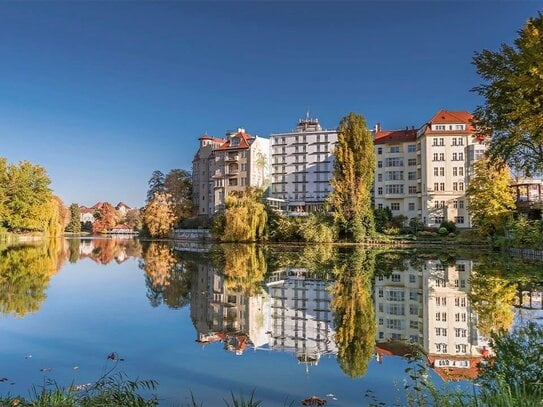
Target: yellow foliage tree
{"x": 159, "y": 216}
{"x": 244, "y": 217}
{"x": 490, "y": 200}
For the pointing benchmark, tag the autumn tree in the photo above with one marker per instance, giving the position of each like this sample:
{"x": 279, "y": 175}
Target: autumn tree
{"x": 105, "y": 218}
{"x": 490, "y": 199}
{"x": 354, "y": 167}
{"x": 178, "y": 184}
{"x": 74, "y": 225}
{"x": 244, "y": 218}
{"x": 134, "y": 219}
{"x": 512, "y": 88}
{"x": 3, "y": 192}
{"x": 354, "y": 312}
{"x": 156, "y": 185}
{"x": 26, "y": 196}
{"x": 158, "y": 216}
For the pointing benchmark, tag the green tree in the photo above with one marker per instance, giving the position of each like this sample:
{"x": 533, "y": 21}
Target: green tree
{"x": 244, "y": 218}
{"x": 178, "y": 184}
{"x": 158, "y": 216}
{"x": 354, "y": 168}
{"x": 354, "y": 311}
{"x": 490, "y": 200}
{"x": 156, "y": 185}
{"x": 518, "y": 360}
{"x": 513, "y": 92}
{"x": 74, "y": 225}
{"x": 27, "y": 197}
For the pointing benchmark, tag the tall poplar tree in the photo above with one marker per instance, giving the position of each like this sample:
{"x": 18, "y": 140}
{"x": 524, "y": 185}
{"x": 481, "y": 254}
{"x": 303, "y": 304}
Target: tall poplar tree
{"x": 354, "y": 169}
{"x": 74, "y": 225}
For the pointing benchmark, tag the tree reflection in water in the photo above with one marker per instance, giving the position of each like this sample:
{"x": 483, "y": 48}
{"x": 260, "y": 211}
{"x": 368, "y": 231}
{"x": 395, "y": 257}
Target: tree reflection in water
{"x": 168, "y": 278}
{"x": 354, "y": 311}
{"x": 25, "y": 272}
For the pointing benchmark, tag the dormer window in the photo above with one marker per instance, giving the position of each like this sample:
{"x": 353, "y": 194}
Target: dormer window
{"x": 234, "y": 141}
{"x": 439, "y": 127}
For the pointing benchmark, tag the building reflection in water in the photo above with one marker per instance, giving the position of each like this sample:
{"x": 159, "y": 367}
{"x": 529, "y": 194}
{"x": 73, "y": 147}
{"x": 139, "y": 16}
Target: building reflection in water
{"x": 428, "y": 304}
{"x": 291, "y": 314}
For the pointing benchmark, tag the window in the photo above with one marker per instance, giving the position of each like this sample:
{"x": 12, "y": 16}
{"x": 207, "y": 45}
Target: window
{"x": 411, "y": 148}
{"x": 435, "y": 156}
{"x": 379, "y": 150}
{"x": 455, "y": 203}
{"x": 441, "y": 141}
{"x": 459, "y": 127}
{"x": 380, "y": 191}
{"x": 394, "y": 176}
{"x": 412, "y": 189}
{"x": 455, "y": 186}
{"x": 434, "y": 142}
{"x": 380, "y": 206}
{"x": 455, "y": 157}
{"x": 441, "y": 156}
{"x": 411, "y": 206}
{"x": 442, "y": 171}
{"x": 395, "y": 206}
{"x": 412, "y": 162}
{"x": 442, "y": 186}
{"x": 460, "y": 140}
{"x": 394, "y": 162}
{"x": 439, "y": 127}
{"x": 413, "y": 324}
{"x": 461, "y": 204}
{"x": 394, "y": 189}
{"x": 459, "y": 219}
{"x": 461, "y": 156}
{"x": 412, "y": 175}
{"x": 395, "y": 149}
{"x": 233, "y": 182}
{"x": 436, "y": 187}
{"x": 379, "y": 164}
{"x": 379, "y": 177}
{"x": 395, "y": 277}
{"x": 438, "y": 317}
{"x": 453, "y": 141}
{"x": 436, "y": 171}
{"x": 412, "y": 278}
{"x": 455, "y": 171}
{"x": 461, "y": 171}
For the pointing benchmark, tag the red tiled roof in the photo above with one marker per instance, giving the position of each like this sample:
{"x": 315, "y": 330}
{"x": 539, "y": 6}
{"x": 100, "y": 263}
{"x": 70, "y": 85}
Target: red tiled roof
{"x": 208, "y": 137}
{"x": 244, "y": 142}
{"x": 394, "y": 136}
{"x": 451, "y": 373}
{"x": 451, "y": 117}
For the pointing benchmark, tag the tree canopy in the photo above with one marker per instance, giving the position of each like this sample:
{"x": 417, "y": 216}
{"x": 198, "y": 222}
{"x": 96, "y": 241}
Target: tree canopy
{"x": 178, "y": 184}
{"x": 354, "y": 168}
{"x": 158, "y": 216}
{"x": 490, "y": 199}
{"x": 512, "y": 88}
{"x": 74, "y": 224}
{"x": 156, "y": 185}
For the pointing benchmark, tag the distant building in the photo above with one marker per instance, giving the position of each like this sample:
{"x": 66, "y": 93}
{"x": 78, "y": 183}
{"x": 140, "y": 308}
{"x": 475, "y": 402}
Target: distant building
{"x": 222, "y": 166}
{"x": 302, "y": 165}
{"x": 122, "y": 208}
{"x": 202, "y": 183}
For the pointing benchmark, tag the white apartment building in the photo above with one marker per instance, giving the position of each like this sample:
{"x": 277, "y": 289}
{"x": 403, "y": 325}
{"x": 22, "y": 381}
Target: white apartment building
{"x": 448, "y": 148}
{"x": 425, "y": 173}
{"x": 396, "y": 175}
{"x": 222, "y": 166}
{"x": 302, "y": 164}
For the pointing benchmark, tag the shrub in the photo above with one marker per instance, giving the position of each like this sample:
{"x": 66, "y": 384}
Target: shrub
{"x": 443, "y": 231}
{"x": 449, "y": 225}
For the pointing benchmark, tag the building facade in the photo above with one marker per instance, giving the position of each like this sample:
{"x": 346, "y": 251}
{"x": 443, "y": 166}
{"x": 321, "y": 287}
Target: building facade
{"x": 302, "y": 164}
{"x": 425, "y": 173}
{"x": 396, "y": 175}
{"x": 223, "y": 166}
{"x": 202, "y": 183}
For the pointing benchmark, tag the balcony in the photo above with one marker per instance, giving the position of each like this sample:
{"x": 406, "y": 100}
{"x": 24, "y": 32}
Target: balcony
{"x": 232, "y": 157}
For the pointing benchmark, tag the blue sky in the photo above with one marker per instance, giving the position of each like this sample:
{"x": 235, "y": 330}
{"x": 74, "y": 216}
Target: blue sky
{"x": 103, "y": 93}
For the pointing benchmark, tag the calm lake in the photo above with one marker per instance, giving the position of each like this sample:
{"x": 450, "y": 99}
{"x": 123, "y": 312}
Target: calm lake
{"x": 287, "y": 322}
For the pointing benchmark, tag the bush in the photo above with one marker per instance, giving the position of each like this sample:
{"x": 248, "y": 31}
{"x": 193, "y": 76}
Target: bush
{"x": 450, "y": 226}
{"x": 443, "y": 231}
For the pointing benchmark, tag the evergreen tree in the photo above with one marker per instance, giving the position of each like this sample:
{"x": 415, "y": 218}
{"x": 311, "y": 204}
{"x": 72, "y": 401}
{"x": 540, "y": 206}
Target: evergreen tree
{"x": 74, "y": 225}
{"x": 513, "y": 92}
{"x": 354, "y": 168}
{"x": 156, "y": 185}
